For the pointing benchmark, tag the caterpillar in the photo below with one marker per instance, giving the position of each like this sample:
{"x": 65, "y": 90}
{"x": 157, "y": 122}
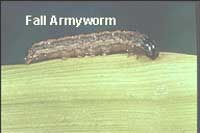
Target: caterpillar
{"x": 93, "y": 44}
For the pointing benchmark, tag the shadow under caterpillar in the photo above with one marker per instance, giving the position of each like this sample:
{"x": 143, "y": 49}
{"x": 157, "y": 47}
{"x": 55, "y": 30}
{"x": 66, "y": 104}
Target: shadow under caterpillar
{"x": 94, "y": 44}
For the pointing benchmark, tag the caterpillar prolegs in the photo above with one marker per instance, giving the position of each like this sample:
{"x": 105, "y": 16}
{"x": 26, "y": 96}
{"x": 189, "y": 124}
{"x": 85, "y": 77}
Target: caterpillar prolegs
{"x": 94, "y": 44}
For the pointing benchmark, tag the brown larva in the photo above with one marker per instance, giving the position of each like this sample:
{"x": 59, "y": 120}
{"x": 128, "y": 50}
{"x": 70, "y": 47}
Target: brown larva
{"x": 94, "y": 44}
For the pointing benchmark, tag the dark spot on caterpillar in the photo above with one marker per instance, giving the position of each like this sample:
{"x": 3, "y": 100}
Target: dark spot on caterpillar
{"x": 94, "y": 44}
{"x": 150, "y": 48}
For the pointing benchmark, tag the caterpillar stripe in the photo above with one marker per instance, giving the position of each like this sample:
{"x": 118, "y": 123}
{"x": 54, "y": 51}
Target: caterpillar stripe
{"x": 94, "y": 44}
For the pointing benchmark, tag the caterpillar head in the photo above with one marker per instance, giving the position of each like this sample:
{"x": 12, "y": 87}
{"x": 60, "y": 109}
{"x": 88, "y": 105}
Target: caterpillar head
{"x": 151, "y": 49}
